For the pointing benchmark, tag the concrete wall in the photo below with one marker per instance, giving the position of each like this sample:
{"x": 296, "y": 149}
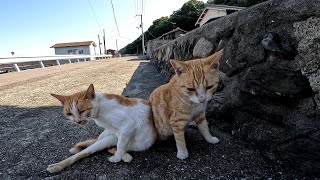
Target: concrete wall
{"x": 93, "y": 50}
{"x": 154, "y": 44}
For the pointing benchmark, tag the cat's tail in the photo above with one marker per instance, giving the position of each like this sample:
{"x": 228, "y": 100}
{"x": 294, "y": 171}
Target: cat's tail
{"x": 82, "y": 145}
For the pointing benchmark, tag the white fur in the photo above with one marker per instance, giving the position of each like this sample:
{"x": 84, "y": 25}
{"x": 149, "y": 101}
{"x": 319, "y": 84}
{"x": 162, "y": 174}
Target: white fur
{"x": 125, "y": 126}
{"x": 203, "y": 127}
{"x": 74, "y": 112}
{"x": 203, "y": 96}
{"x": 128, "y": 123}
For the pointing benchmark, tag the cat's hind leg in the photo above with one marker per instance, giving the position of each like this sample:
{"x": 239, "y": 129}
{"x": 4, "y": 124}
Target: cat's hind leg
{"x": 82, "y": 145}
{"x": 123, "y": 141}
{"x": 204, "y": 129}
{"x": 126, "y": 157}
{"x": 99, "y": 145}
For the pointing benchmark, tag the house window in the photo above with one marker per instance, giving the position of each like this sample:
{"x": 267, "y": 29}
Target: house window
{"x": 72, "y": 51}
{"x": 80, "y": 51}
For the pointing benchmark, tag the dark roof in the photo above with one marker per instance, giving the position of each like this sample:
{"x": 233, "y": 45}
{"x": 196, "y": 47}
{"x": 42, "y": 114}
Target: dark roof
{"x": 70, "y": 44}
{"x": 210, "y": 6}
{"x": 175, "y": 30}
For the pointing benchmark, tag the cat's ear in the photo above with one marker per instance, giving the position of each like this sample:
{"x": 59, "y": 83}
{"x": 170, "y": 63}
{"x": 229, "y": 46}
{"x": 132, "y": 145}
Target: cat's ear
{"x": 90, "y": 94}
{"x": 62, "y": 99}
{"x": 178, "y": 66}
{"x": 213, "y": 60}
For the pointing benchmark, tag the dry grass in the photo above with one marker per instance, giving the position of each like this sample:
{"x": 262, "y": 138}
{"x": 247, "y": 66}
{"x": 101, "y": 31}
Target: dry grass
{"x": 32, "y": 88}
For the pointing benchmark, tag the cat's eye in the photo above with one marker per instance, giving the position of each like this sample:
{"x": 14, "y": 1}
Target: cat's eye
{"x": 191, "y": 89}
{"x": 68, "y": 114}
{"x": 82, "y": 111}
{"x": 209, "y": 87}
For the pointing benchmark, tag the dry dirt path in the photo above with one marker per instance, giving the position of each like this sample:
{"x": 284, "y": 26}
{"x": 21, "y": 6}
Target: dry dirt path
{"x": 31, "y": 88}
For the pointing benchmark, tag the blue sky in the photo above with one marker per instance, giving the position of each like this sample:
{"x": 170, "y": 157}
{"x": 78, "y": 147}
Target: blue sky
{"x": 30, "y": 27}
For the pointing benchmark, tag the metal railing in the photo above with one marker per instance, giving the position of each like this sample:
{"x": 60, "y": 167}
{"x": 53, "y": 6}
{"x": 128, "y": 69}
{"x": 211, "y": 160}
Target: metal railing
{"x": 15, "y": 61}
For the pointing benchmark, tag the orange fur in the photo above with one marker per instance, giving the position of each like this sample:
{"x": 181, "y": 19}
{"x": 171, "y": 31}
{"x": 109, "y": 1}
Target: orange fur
{"x": 82, "y": 145}
{"x": 122, "y": 100}
{"x": 182, "y": 99}
{"x": 128, "y": 124}
{"x": 79, "y": 98}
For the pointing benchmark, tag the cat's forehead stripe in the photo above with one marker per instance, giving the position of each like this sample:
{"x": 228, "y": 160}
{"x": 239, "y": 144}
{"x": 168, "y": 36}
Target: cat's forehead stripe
{"x": 198, "y": 72}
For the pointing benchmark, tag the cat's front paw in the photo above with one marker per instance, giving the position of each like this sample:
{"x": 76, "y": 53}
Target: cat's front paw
{"x": 182, "y": 154}
{"x": 126, "y": 158}
{"x": 213, "y": 140}
{"x": 53, "y": 168}
{"x": 114, "y": 159}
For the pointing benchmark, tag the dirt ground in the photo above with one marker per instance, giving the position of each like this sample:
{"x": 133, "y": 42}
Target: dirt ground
{"x": 31, "y": 88}
{"x": 34, "y": 133}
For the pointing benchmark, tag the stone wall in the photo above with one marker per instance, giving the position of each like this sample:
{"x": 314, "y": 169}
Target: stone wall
{"x": 154, "y": 44}
{"x": 270, "y": 77}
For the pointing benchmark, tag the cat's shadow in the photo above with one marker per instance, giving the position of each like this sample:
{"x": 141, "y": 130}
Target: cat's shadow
{"x": 143, "y": 81}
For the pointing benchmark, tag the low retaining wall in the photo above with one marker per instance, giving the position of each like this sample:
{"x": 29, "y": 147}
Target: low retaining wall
{"x": 270, "y": 77}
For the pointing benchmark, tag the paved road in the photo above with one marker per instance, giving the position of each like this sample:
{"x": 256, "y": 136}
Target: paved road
{"x": 34, "y": 133}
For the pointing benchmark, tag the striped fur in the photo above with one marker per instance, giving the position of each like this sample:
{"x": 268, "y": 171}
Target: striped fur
{"x": 184, "y": 99}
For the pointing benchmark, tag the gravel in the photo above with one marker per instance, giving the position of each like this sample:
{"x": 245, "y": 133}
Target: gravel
{"x": 34, "y": 133}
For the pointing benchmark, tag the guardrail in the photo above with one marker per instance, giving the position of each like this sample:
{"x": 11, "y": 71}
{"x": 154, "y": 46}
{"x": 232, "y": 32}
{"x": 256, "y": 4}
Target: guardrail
{"x": 15, "y": 61}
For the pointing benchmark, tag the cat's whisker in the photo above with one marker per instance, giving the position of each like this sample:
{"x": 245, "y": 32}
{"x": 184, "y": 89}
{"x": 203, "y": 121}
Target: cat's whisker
{"x": 184, "y": 99}
{"x": 126, "y": 122}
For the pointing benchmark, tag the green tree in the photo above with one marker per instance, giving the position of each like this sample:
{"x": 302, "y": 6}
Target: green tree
{"x": 185, "y": 18}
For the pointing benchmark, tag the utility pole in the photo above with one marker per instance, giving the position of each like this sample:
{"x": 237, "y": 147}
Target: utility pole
{"x": 99, "y": 44}
{"x": 117, "y": 46}
{"x": 104, "y": 42}
{"x": 142, "y": 34}
{"x": 141, "y": 26}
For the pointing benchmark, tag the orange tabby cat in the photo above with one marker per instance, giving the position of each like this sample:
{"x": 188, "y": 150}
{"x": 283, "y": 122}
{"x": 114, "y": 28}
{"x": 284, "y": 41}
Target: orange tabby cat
{"x": 185, "y": 98}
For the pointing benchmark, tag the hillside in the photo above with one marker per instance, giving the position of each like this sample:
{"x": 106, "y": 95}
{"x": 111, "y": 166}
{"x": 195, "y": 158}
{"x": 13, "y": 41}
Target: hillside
{"x": 185, "y": 18}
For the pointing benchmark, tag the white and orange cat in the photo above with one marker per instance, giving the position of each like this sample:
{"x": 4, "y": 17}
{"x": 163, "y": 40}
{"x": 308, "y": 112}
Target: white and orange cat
{"x": 127, "y": 122}
{"x": 184, "y": 99}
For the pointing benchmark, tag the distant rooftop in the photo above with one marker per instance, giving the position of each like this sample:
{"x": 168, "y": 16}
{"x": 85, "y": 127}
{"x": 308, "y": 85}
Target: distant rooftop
{"x": 209, "y": 8}
{"x": 176, "y": 29}
{"x": 212, "y": 6}
{"x": 71, "y": 44}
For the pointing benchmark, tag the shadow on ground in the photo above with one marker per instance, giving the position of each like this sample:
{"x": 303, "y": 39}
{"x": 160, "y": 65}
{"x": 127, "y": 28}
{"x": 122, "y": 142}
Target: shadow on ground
{"x": 32, "y": 138}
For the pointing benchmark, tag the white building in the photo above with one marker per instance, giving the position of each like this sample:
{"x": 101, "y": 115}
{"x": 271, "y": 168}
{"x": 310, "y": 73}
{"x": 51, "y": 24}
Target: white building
{"x": 212, "y": 12}
{"x": 71, "y": 48}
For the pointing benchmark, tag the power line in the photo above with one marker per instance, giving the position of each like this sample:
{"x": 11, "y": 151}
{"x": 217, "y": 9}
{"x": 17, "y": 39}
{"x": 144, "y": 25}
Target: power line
{"x": 95, "y": 17}
{"x": 144, "y": 7}
{"x": 135, "y": 6}
{"x": 151, "y": 34}
{"x": 138, "y": 6}
{"x": 114, "y": 16}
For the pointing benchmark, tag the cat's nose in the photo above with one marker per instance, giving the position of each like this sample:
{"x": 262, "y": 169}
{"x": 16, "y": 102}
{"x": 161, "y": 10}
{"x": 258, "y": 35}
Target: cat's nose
{"x": 202, "y": 99}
